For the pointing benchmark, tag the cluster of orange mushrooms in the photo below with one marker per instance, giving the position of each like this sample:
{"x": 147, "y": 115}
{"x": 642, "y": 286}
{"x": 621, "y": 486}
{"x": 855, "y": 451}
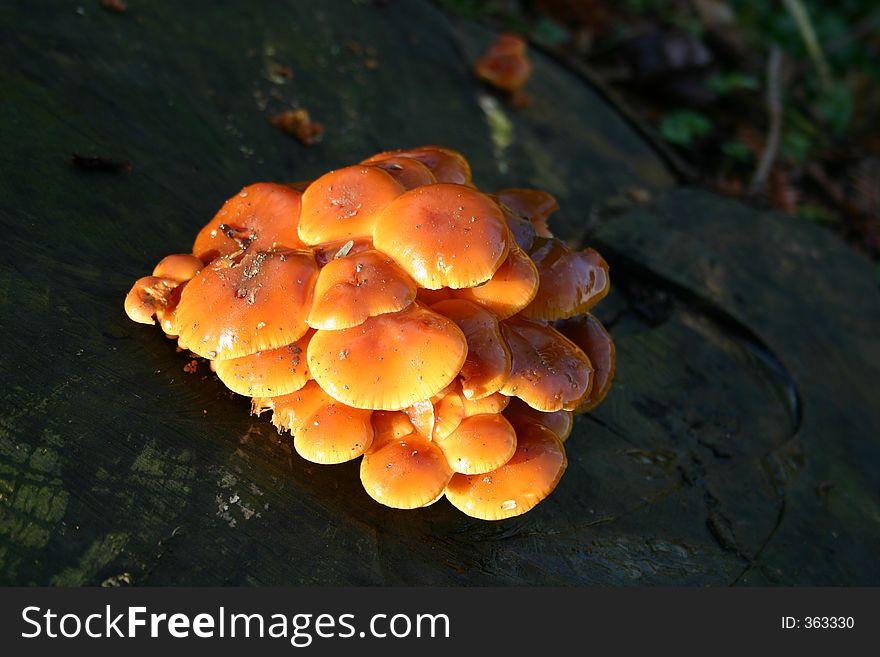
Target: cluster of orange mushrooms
{"x": 389, "y": 310}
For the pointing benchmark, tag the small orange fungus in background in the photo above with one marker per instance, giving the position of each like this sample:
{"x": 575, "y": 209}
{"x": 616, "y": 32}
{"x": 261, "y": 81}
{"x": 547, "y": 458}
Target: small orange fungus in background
{"x": 391, "y": 311}
{"x": 505, "y": 65}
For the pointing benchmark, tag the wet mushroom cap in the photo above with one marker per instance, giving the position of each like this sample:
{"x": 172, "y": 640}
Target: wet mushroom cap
{"x": 559, "y": 422}
{"x": 344, "y": 204}
{"x": 548, "y": 371}
{"x": 324, "y": 430}
{"x": 239, "y": 306}
{"x": 390, "y": 425}
{"x": 353, "y": 288}
{"x": 487, "y": 365}
{"x": 588, "y": 333}
{"x": 448, "y": 412}
{"x": 405, "y": 473}
{"x": 408, "y": 171}
{"x": 446, "y": 165}
{"x": 268, "y": 373}
{"x": 480, "y": 443}
{"x": 528, "y": 477}
{"x": 444, "y": 235}
{"x": 261, "y": 216}
{"x": 180, "y": 267}
{"x": 147, "y": 296}
{"x": 390, "y": 361}
{"x": 533, "y": 205}
{"x": 512, "y": 287}
{"x": 571, "y": 282}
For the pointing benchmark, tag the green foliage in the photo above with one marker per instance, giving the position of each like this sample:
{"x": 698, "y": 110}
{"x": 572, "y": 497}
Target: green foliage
{"x": 737, "y": 151}
{"x": 549, "y": 32}
{"x": 681, "y": 127}
{"x": 732, "y": 82}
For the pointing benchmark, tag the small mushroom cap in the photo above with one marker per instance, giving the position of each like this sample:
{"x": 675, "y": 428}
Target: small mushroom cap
{"x": 324, "y": 430}
{"x": 479, "y": 444}
{"x": 588, "y": 333}
{"x": 250, "y": 303}
{"x": 444, "y": 235}
{"x": 559, "y": 422}
{"x": 494, "y": 403}
{"x": 405, "y": 473}
{"x": 571, "y": 283}
{"x": 512, "y": 287}
{"x": 269, "y": 373}
{"x": 180, "y": 267}
{"x": 533, "y": 205}
{"x": 516, "y": 487}
{"x": 548, "y": 372}
{"x": 447, "y": 165}
{"x": 344, "y": 204}
{"x": 262, "y": 217}
{"x": 487, "y": 365}
{"x": 408, "y": 171}
{"x": 353, "y": 288}
{"x": 390, "y": 361}
{"x": 148, "y": 296}
{"x": 448, "y": 412}
{"x": 505, "y": 64}
{"x": 390, "y": 425}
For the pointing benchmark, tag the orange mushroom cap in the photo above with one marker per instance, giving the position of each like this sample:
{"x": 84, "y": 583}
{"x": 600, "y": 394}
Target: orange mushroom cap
{"x": 448, "y": 412}
{"x": 480, "y": 443}
{"x": 494, "y": 403}
{"x": 512, "y": 287}
{"x": 588, "y": 333}
{"x": 408, "y": 171}
{"x": 487, "y": 365}
{"x": 344, "y": 204}
{"x": 521, "y": 229}
{"x": 249, "y": 303}
{"x": 390, "y": 425}
{"x": 444, "y": 235}
{"x": 447, "y": 165}
{"x": 269, "y": 373}
{"x": 549, "y": 372}
{"x": 533, "y": 205}
{"x": 405, "y": 473}
{"x": 390, "y": 361}
{"x": 158, "y": 295}
{"x": 324, "y": 430}
{"x": 559, "y": 422}
{"x": 148, "y": 296}
{"x": 180, "y": 267}
{"x": 528, "y": 477}
{"x": 355, "y": 287}
{"x": 571, "y": 282}
{"x": 260, "y": 217}
{"x": 505, "y": 64}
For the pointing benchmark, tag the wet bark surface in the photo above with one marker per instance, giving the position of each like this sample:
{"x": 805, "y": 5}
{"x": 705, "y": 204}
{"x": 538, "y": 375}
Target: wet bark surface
{"x": 740, "y": 442}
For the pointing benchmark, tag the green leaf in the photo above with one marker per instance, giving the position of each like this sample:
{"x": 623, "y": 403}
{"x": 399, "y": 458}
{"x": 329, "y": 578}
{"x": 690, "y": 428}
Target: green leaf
{"x": 682, "y": 126}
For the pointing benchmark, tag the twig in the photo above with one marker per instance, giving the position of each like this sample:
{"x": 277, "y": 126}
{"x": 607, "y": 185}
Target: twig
{"x": 808, "y": 34}
{"x": 774, "y": 110}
